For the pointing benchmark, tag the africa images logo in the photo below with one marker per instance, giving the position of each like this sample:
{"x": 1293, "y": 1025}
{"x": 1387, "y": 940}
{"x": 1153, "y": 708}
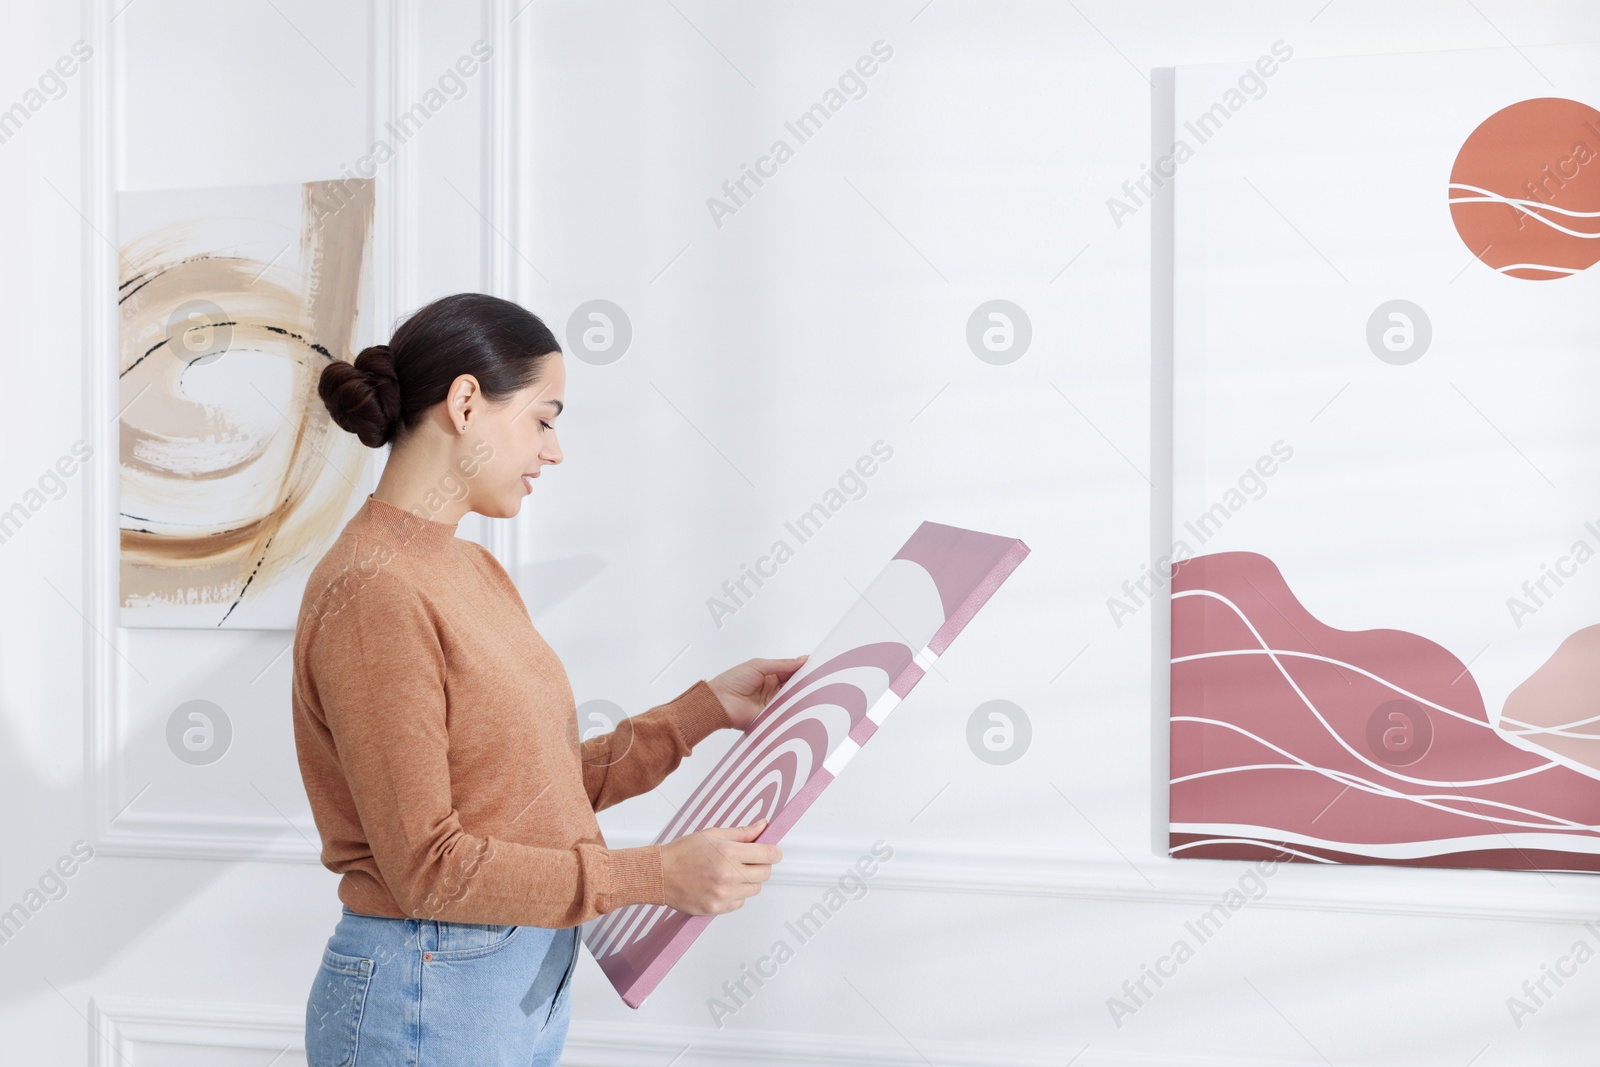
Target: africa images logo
{"x": 1525, "y": 189}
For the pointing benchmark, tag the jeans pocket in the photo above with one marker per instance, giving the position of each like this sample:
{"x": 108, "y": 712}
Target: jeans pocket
{"x": 333, "y": 1011}
{"x": 470, "y": 941}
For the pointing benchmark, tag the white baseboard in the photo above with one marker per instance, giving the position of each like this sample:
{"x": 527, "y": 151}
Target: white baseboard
{"x": 119, "y": 1025}
{"x": 603, "y": 1045}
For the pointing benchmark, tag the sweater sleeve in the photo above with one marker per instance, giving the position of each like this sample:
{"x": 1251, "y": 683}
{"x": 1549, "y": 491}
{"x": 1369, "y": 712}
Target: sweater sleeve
{"x": 643, "y": 749}
{"x": 379, "y": 673}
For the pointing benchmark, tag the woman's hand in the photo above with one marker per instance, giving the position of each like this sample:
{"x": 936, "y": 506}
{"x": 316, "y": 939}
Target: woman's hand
{"x": 745, "y": 690}
{"x": 714, "y": 871}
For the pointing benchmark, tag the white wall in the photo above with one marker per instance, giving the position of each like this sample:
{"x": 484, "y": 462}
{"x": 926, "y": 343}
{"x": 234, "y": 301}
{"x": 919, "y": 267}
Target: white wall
{"x": 768, "y": 353}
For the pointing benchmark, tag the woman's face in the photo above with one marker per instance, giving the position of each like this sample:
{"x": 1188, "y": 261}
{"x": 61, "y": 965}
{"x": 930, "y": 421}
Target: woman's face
{"x": 520, "y": 436}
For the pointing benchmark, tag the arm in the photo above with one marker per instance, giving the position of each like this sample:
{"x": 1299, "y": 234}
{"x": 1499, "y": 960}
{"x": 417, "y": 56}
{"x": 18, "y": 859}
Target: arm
{"x": 636, "y": 756}
{"x": 643, "y": 749}
{"x": 379, "y": 675}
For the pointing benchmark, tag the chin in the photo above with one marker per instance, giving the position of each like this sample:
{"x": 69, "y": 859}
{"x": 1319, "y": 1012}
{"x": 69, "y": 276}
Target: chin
{"x": 498, "y": 509}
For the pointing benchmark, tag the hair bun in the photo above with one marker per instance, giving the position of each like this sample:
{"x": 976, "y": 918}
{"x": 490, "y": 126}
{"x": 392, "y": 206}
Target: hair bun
{"x": 377, "y": 363}
{"x": 364, "y": 397}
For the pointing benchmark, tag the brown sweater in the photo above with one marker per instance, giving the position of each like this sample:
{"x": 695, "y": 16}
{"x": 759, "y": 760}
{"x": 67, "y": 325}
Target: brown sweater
{"x": 438, "y": 740}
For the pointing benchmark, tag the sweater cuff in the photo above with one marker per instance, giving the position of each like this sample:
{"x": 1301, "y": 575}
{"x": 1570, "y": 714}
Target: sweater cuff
{"x": 635, "y": 876}
{"x": 699, "y": 713}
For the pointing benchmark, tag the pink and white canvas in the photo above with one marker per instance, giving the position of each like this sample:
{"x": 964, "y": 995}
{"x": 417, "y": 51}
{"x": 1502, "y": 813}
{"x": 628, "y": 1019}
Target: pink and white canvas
{"x": 880, "y": 649}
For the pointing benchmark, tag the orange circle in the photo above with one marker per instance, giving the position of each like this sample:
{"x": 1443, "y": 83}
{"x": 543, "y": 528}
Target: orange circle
{"x": 1525, "y": 189}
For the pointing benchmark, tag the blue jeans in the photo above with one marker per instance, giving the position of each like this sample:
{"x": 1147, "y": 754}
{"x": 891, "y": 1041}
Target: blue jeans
{"x": 425, "y": 993}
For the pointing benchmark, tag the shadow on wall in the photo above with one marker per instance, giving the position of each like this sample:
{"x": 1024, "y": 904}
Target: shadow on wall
{"x": 58, "y": 929}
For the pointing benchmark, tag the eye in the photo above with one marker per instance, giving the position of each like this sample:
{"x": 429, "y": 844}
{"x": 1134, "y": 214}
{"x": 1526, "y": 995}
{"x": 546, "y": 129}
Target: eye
{"x": 546, "y": 425}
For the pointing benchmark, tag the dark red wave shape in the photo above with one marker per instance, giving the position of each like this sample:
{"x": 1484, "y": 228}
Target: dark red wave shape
{"x": 1494, "y": 858}
{"x": 1373, "y": 732}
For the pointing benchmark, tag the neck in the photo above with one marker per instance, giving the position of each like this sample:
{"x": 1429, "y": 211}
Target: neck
{"x": 412, "y": 484}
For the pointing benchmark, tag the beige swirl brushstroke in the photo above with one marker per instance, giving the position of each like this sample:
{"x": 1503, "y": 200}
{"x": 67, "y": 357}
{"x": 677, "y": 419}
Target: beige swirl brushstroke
{"x": 214, "y": 511}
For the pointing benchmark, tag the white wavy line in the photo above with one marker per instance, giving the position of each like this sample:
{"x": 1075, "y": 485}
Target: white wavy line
{"x": 1541, "y": 266}
{"x": 1490, "y": 194}
{"x": 1248, "y": 841}
{"x": 1552, "y": 731}
{"x": 1529, "y": 214}
{"x": 1521, "y": 206}
{"x": 1554, "y": 821}
{"x": 1557, "y": 726}
{"x": 1558, "y": 730}
{"x": 1339, "y": 775}
{"x": 1463, "y": 716}
{"x": 1587, "y": 846}
{"x": 1331, "y": 731}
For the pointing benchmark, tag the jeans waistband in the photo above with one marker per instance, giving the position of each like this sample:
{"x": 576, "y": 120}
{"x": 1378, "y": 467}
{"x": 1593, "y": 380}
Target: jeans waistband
{"x": 359, "y": 934}
{"x": 347, "y": 910}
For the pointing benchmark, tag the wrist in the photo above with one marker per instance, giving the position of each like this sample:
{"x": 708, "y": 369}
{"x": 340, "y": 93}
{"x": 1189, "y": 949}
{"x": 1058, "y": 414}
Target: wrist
{"x": 636, "y": 876}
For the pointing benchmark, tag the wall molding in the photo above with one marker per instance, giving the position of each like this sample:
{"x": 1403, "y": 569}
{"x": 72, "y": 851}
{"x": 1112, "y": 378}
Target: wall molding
{"x": 1511, "y": 896}
{"x": 499, "y": 233}
{"x": 102, "y": 681}
{"x": 632, "y": 1045}
{"x": 194, "y": 834}
{"x": 118, "y": 1025}
{"x": 1163, "y": 121}
{"x": 222, "y": 838}
{"x": 1507, "y": 896}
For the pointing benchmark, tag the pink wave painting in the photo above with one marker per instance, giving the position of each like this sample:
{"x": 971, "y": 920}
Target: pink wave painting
{"x": 1299, "y": 741}
{"x": 814, "y": 724}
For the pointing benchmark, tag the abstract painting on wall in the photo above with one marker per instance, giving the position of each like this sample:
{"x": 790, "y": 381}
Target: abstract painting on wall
{"x": 1386, "y": 461}
{"x": 233, "y": 478}
{"x": 902, "y": 622}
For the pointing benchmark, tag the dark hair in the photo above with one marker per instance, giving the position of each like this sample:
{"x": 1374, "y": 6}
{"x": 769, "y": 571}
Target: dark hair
{"x": 381, "y": 396}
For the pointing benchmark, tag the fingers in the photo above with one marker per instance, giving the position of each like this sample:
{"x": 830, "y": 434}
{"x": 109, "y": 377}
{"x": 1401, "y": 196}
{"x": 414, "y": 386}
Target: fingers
{"x": 736, "y": 846}
{"x": 751, "y": 853}
{"x": 737, "y": 833}
{"x": 742, "y": 855}
{"x": 747, "y": 861}
{"x": 751, "y": 864}
{"x": 727, "y": 855}
{"x": 742, "y": 865}
{"x": 748, "y": 867}
{"x": 723, "y": 866}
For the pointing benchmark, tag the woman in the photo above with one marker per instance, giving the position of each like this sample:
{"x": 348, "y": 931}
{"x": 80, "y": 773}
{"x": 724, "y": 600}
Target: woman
{"x": 436, "y": 732}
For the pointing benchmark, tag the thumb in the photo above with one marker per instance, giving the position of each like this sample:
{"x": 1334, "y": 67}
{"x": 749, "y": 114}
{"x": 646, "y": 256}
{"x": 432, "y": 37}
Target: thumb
{"x": 748, "y": 832}
{"x": 766, "y": 665}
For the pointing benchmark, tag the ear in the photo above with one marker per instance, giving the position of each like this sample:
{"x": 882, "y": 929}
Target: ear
{"x": 462, "y": 400}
